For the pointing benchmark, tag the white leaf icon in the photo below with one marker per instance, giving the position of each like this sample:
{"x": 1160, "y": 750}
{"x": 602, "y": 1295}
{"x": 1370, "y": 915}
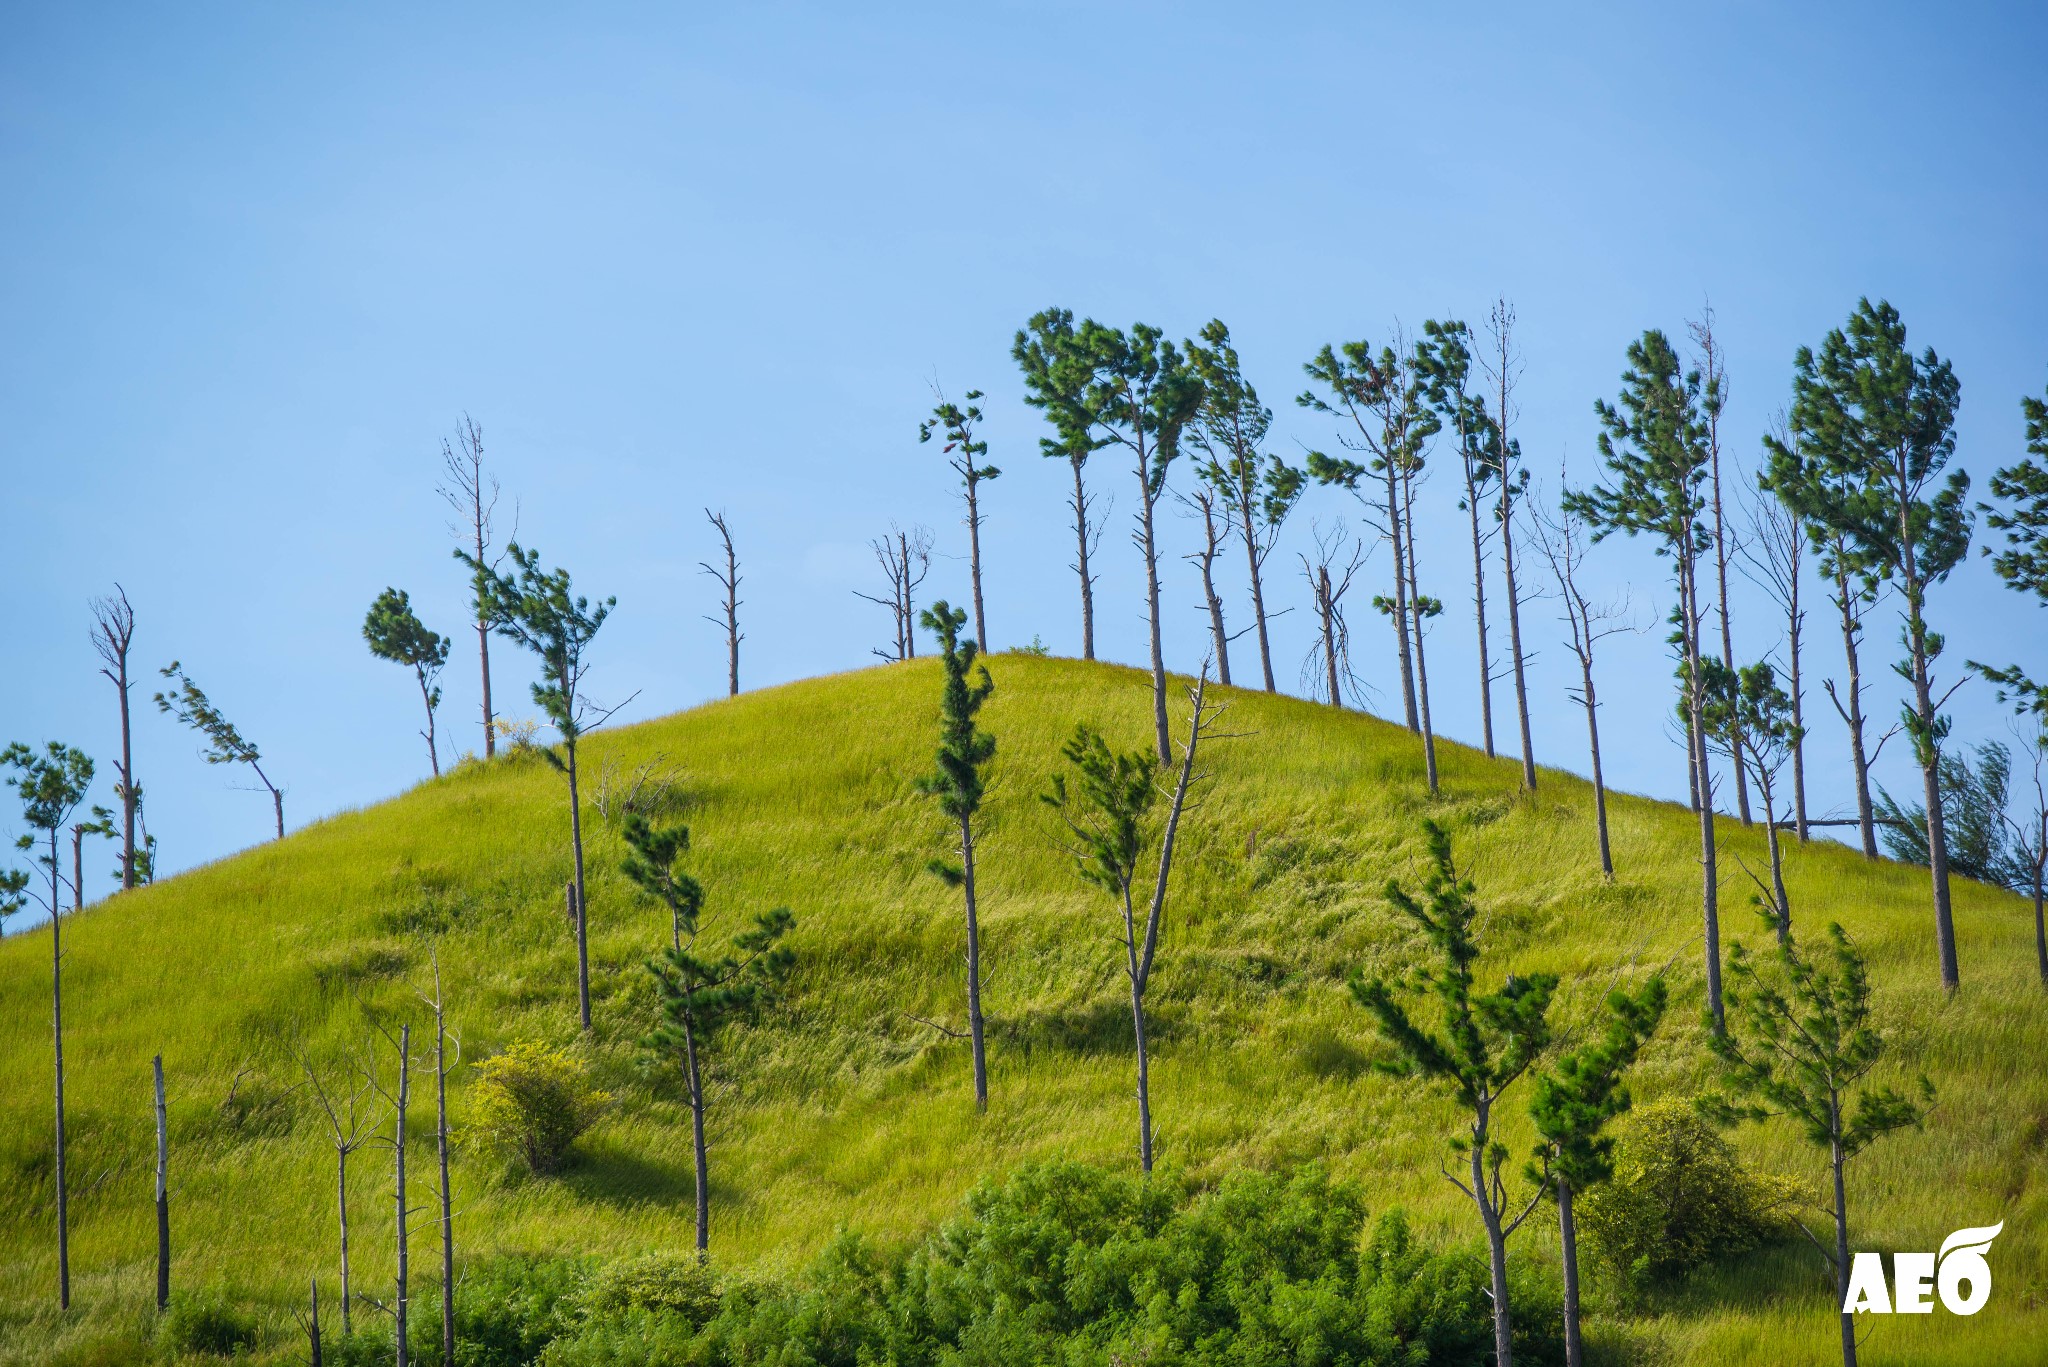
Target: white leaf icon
{"x": 1970, "y": 1239}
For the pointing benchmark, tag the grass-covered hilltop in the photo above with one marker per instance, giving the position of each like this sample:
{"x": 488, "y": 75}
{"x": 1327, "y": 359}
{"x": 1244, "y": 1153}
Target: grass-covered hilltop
{"x": 838, "y": 1110}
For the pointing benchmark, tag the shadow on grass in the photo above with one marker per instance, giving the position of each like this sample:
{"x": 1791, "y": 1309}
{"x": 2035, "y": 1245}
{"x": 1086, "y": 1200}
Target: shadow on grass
{"x": 1099, "y": 1028}
{"x": 617, "y": 1177}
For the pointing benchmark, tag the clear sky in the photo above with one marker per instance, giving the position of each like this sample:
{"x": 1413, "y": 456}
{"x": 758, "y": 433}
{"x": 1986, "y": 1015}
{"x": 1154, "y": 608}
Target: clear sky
{"x": 256, "y": 260}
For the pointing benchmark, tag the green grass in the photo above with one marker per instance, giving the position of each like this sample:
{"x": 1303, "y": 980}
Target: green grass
{"x": 840, "y": 1110}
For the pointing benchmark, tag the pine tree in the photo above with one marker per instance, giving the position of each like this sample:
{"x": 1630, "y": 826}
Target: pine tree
{"x": 1802, "y": 1044}
{"x": 1653, "y": 444}
{"x": 224, "y": 744}
{"x": 51, "y": 786}
{"x": 1258, "y": 489}
{"x": 1105, "y": 810}
{"x": 701, "y": 991}
{"x": 956, "y": 425}
{"x": 541, "y": 612}
{"x": 1057, "y": 375}
{"x": 1572, "y": 1105}
{"x": 958, "y": 783}
{"x": 395, "y": 634}
{"x": 1881, "y": 422}
{"x": 1487, "y": 1043}
{"x": 1445, "y": 356}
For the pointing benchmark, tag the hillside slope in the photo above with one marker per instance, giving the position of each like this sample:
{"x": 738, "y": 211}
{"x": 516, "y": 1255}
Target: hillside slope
{"x": 839, "y": 1109}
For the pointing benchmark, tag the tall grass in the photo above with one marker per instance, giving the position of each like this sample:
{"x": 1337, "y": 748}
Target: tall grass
{"x": 840, "y": 1109}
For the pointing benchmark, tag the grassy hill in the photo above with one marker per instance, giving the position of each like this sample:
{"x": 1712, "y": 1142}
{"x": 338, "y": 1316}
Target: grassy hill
{"x": 840, "y": 1110}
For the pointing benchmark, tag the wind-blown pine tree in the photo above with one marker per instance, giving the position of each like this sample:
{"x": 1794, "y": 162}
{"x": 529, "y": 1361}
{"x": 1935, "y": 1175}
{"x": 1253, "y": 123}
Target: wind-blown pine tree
{"x": 394, "y": 633}
{"x": 224, "y": 744}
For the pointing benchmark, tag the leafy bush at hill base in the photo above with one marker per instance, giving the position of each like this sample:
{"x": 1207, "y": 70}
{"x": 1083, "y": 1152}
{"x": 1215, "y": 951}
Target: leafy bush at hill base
{"x": 207, "y": 1323}
{"x": 531, "y": 1102}
{"x": 664, "y": 1284}
{"x": 1072, "y": 1264}
{"x": 1679, "y": 1199}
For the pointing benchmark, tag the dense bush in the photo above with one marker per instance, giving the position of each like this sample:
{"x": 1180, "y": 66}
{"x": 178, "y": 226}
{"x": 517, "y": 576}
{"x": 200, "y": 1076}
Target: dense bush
{"x": 664, "y": 1284}
{"x": 1076, "y": 1265}
{"x": 207, "y": 1323}
{"x": 1679, "y": 1199}
{"x": 531, "y": 1102}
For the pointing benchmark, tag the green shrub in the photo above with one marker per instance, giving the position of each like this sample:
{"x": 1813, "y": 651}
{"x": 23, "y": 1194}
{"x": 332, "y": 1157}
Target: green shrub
{"x": 531, "y": 1102}
{"x": 208, "y": 1323}
{"x": 1679, "y": 1199}
{"x": 663, "y": 1284}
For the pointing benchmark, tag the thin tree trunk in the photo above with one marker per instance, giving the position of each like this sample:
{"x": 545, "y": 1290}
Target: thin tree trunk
{"x": 483, "y": 652}
{"x": 447, "y": 1201}
{"x": 1324, "y": 607}
{"x": 1496, "y": 1257}
{"x": 1929, "y": 755}
{"x": 341, "y": 1185}
{"x": 974, "y": 1022}
{"x": 2040, "y": 924}
{"x": 1415, "y": 604}
{"x": 1842, "y": 1249}
{"x": 1150, "y": 547}
{"x": 697, "y": 1142}
{"x": 582, "y": 902}
{"x": 1507, "y": 561}
{"x": 1599, "y": 780}
{"x": 1568, "y": 1238}
{"x": 398, "y": 1152}
{"x": 57, "y": 1033}
{"x": 1081, "y": 563}
{"x": 1207, "y": 560}
{"x": 313, "y": 1327}
{"x": 1479, "y": 607}
{"x": 433, "y": 749}
{"x": 127, "y": 786}
{"x": 78, "y": 868}
{"x": 1795, "y": 624}
{"x": 1704, "y": 794}
{"x": 1727, "y": 631}
{"x": 1251, "y": 556}
{"x": 1397, "y": 539}
{"x": 1852, "y": 715}
{"x": 974, "y": 562}
{"x": 163, "y": 1192}
{"x": 1778, "y": 895}
{"x": 1138, "y": 1035}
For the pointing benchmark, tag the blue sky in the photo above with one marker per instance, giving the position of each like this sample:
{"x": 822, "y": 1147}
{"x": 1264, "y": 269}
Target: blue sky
{"x": 259, "y": 259}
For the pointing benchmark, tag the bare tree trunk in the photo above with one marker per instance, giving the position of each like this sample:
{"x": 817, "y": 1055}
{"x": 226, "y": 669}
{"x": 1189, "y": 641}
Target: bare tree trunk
{"x": 57, "y": 1033}
{"x": 1251, "y": 555}
{"x": 1325, "y": 607}
{"x": 1081, "y": 563}
{"x": 1852, "y": 715}
{"x": 1599, "y": 780}
{"x": 163, "y": 1192}
{"x": 313, "y": 1328}
{"x": 1836, "y": 1159}
{"x": 127, "y": 789}
{"x": 569, "y": 902}
{"x": 1795, "y": 622}
{"x": 1150, "y": 546}
{"x": 1568, "y": 1238}
{"x": 341, "y": 1186}
{"x": 78, "y": 867}
{"x": 974, "y": 562}
{"x": 1479, "y": 607}
{"x": 1704, "y": 793}
{"x": 1927, "y": 750}
{"x": 1416, "y": 604}
{"x": 729, "y": 579}
{"x": 697, "y": 1142}
{"x": 1206, "y": 558}
{"x": 974, "y": 1021}
{"x": 1138, "y": 1034}
{"x": 582, "y": 900}
{"x": 1397, "y": 539}
{"x": 433, "y": 749}
{"x": 1496, "y": 1258}
{"x": 1782, "y": 902}
{"x": 398, "y": 1153}
{"x": 1507, "y": 560}
{"x": 2040, "y": 925}
{"x": 113, "y": 634}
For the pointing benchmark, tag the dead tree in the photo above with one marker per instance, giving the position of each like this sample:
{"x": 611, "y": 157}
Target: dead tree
{"x": 1332, "y": 647}
{"x": 352, "y": 1121}
{"x": 729, "y": 580}
{"x": 905, "y": 558}
{"x": 1773, "y": 558}
{"x": 163, "y": 1192}
{"x": 1422, "y": 608}
{"x": 1713, "y": 398}
{"x": 1562, "y": 539}
{"x": 1503, "y": 367}
{"x": 113, "y": 633}
{"x": 473, "y": 496}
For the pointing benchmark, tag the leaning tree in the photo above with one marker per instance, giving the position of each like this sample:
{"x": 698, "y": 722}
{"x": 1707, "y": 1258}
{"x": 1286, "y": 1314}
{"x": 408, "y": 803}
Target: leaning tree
{"x": 394, "y": 633}
{"x": 224, "y": 744}
{"x": 539, "y": 610}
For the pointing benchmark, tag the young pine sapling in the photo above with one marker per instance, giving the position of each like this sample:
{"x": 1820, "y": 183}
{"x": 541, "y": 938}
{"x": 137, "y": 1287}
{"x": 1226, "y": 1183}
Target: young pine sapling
{"x": 955, "y": 425}
{"x": 224, "y": 744}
